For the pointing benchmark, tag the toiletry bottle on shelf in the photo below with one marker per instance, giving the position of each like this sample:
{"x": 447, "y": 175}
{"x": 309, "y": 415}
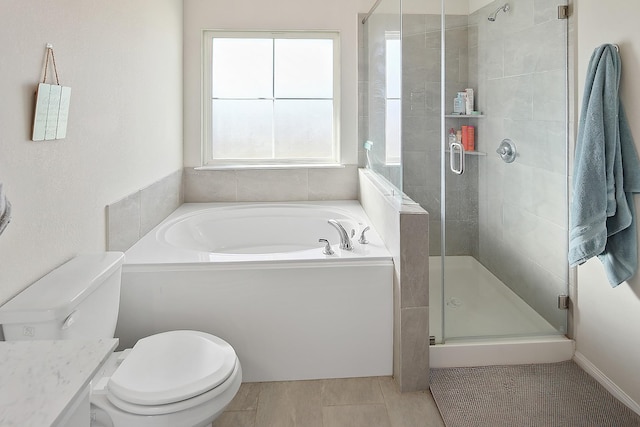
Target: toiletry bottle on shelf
{"x": 465, "y": 137}
{"x": 469, "y": 101}
{"x": 459, "y": 103}
{"x": 452, "y": 137}
{"x": 471, "y": 138}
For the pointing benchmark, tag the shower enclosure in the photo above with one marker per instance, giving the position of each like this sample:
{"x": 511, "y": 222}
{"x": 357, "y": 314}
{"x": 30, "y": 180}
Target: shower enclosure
{"x": 498, "y": 210}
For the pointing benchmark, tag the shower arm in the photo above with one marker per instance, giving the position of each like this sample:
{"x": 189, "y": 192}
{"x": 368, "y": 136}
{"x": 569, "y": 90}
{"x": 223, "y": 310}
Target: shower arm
{"x": 505, "y": 8}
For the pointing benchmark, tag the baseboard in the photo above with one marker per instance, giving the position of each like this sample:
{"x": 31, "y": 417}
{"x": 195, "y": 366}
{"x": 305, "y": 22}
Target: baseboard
{"x": 606, "y": 382}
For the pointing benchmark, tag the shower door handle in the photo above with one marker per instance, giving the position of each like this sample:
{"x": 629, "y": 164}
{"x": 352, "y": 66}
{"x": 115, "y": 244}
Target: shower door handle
{"x": 456, "y": 150}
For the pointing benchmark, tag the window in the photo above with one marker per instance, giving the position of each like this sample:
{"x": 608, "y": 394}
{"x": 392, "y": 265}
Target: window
{"x": 271, "y": 98}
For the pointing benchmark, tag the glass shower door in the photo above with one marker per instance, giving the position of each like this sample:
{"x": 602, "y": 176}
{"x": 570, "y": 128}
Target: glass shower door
{"x": 504, "y": 194}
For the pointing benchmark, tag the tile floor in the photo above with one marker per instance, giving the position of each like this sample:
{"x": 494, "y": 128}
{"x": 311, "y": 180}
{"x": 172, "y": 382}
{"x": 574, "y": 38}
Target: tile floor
{"x": 349, "y": 402}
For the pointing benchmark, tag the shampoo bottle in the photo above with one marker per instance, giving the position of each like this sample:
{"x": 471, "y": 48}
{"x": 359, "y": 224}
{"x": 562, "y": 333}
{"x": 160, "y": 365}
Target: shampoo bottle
{"x": 465, "y": 137}
{"x": 459, "y": 103}
{"x": 469, "y": 101}
{"x": 471, "y": 138}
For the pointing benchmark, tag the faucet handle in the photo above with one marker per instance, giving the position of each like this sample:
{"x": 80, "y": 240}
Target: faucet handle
{"x": 363, "y": 240}
{"x": 327, "y": 247}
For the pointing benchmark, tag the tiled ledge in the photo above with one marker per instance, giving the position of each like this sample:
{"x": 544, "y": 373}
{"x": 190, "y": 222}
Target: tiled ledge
{"x": 270, "y": 185}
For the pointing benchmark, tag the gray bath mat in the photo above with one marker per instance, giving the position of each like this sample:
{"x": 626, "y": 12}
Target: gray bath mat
{"x": 555, "y": 394}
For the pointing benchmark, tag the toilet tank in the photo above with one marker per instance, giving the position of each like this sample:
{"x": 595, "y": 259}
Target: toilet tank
{"x": 78, "y": 300}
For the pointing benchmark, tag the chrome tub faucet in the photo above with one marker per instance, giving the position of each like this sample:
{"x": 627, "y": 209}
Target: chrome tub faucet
{"x": 345, "y": 240}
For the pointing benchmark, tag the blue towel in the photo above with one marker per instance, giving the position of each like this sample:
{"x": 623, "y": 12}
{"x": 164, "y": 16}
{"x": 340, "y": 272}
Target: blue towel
{"x": 5, "y": 210}
{"x": 606, "y": 175}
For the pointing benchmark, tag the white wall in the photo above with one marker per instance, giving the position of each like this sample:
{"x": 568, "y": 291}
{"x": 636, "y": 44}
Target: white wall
{"x": 452, "y": 7}
{"x": 338, "y": 15}
{"x": 479, "y": 4}
{"x": 123, "y": 61}
{"x": 607, "y": 320}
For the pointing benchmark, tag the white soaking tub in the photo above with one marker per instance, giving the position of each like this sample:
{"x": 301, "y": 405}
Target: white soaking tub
{"x": 255, "y": 275}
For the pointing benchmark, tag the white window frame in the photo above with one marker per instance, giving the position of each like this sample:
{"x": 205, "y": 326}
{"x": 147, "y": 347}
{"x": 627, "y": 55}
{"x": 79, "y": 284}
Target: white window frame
{"x": 208, "y": 159}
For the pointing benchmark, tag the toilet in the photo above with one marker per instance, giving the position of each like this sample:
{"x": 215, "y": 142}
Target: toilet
{"x": 176, "y": 378}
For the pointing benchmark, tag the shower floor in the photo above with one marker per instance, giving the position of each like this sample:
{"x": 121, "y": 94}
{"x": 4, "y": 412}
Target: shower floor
{"x": 478, "y": 304}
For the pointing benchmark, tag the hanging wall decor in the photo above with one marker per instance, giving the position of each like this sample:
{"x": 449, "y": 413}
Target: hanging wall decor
{"x": 52, "y": 105}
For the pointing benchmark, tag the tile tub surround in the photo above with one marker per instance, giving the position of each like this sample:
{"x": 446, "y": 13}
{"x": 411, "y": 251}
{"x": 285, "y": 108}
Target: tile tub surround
{"x": 135, "y": 215}
{"x": 39, "y": 380}
{"x": 405, "y": 230}
{"x": 270, "y": 185}
{"x": 353, "y": 402}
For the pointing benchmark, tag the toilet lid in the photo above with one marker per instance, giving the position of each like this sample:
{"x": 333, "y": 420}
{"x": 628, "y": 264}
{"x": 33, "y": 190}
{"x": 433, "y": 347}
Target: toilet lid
{"x": 172, "y": 366}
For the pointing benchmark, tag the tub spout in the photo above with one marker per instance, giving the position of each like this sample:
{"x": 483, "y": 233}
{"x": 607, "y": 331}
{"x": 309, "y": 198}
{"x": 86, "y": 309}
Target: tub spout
{"x": 345, "y": 240}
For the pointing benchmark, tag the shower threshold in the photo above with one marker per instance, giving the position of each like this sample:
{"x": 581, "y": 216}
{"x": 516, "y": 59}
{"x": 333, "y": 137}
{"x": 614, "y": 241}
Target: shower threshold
{"x": 486, "y": 322}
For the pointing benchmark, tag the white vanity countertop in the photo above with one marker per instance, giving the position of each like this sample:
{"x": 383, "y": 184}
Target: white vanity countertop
{"x": 40, "y": 379}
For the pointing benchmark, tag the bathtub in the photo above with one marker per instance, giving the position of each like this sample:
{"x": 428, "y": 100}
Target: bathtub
{"x": 255, "y": 275}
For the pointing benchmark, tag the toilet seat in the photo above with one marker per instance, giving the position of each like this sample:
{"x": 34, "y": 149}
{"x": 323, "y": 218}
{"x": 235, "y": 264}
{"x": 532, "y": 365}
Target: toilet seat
{"x": 176, "y": 406}
{"x": 164, "y": 372}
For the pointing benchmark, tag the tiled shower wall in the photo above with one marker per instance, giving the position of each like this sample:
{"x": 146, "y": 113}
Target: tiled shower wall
{"x": 421, "y": 59}
{"x": 520, "y": 81}
{"x": 421, "y": 119}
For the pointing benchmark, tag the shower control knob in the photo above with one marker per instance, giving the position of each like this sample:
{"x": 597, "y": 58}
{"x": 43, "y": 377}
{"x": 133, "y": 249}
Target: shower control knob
{"x": 507, "y": 150}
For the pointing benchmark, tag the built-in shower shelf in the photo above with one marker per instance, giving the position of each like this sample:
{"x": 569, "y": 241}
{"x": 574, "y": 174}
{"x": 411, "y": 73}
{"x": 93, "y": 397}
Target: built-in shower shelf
{"x": 464, "y": 116}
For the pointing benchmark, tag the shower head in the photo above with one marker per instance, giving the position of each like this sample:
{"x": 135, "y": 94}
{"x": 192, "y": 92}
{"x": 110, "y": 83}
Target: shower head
{"x": 504, "y": 8}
